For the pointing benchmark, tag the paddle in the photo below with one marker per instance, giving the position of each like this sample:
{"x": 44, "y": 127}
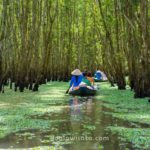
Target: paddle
{"x": 67, "y": 90}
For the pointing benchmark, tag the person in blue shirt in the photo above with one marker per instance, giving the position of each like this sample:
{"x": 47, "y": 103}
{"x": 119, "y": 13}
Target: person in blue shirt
{"x": 98, "y": 75}
{"x": 76, "y": 79}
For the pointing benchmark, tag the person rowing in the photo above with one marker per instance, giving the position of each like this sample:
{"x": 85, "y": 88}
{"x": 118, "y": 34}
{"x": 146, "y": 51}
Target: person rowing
{"x": 76, "y": 79}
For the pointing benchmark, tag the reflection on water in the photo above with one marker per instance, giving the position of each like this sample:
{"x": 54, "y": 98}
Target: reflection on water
{"x": 77, "y": 106}
{"x": 84, "y": 123}
{"x": 75, "y": 110}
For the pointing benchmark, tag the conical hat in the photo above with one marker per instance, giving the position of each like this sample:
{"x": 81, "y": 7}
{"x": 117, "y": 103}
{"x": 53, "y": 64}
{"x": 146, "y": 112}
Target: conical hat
{"x": 76, "y": 72}
{"x": 98, "y": 71}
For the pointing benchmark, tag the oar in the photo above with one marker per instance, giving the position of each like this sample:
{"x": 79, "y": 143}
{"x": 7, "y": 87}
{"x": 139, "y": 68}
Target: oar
{"x": 67, "y": 90}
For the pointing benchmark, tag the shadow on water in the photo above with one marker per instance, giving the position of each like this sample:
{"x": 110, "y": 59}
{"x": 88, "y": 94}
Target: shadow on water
{"x": 82, "y": 124}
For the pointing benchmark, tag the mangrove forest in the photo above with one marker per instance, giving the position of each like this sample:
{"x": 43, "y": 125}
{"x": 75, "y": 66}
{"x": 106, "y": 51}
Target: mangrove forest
{"x": 75, "y": 74}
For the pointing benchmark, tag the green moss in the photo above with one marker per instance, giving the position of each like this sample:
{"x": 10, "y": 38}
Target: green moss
{"x": 124, "y": 105}
{"x": 23, "y": 111}
{"x": 140, "y": 138}
{"x": 16, "y": 108}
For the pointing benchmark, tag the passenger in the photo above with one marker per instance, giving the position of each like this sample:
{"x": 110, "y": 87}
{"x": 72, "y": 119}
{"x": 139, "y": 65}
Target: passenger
{"x": 75, "y": 80}
{"x": 98, "y": 75}
{"x": 85, "y": 80}
{"x": 90, "y": 78}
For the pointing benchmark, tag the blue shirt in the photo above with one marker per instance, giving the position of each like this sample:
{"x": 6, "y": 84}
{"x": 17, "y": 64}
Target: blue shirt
{"x": 98, "y": 75}
{"x": 74, "y": 82}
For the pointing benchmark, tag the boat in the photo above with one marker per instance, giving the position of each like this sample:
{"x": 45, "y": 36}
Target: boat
{"x": 100, "y": 80}
{"x": 100, "y": 77}
{"x": 83, "y": 91}
{"x": 97, "y": 80}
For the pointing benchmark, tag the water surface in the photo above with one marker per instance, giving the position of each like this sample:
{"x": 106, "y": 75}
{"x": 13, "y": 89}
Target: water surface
{"x": 81, "y": 124}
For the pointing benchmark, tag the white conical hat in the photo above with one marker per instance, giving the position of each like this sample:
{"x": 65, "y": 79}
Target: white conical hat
{"x": 98, "y": 71}
{"x": 76, "y": 72}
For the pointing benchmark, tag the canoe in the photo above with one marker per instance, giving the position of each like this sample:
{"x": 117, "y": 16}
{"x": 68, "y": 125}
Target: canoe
{"x": 97, "y": 80}
{"x": 100, "y": 80}
{"x": 83, "y": 91}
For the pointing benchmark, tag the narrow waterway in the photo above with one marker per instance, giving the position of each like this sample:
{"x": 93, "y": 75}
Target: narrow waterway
{"x": 81, "y": 124}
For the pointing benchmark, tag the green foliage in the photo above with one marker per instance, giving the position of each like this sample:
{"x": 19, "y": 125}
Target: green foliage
{"x": 29, "y": 104}
{"x": 138, "y": 137}
{"x": 28, "y": 114}
{"x": 124, "y": 107}
{"x": 124, "y": 103}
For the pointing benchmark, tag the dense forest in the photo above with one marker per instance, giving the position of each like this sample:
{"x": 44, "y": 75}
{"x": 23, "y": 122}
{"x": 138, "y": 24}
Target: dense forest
{"x": 44, "y": 40}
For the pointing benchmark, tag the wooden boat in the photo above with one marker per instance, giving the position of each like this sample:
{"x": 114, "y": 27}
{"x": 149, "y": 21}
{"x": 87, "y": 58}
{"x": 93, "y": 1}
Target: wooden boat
{"x": 83, "y": 91}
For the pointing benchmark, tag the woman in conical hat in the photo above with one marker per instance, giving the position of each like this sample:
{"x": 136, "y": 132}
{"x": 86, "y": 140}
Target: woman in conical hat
{"x": 75, "y": 79}
{"x": 76, "y": 72}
